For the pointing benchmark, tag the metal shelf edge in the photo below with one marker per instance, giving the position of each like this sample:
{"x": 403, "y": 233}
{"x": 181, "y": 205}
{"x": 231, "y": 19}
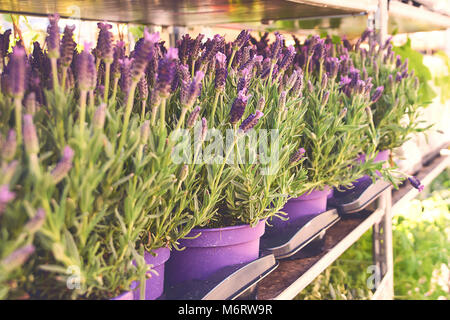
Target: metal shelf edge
{"x": 291, "y": 291}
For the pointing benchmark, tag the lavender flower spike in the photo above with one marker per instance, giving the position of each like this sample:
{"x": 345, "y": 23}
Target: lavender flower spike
{"x": 30, "y": 138}
{"x": 142, "y": 55}
{"x": 104, "y": 42}
{"x": 5, "y": 196}
{"x": 53, "y": 37}
{"x": 238, "y": 107}
{"x": 193, "y": 117}
{"x": 296, "y": 157}
{"x": 8, "y": 149}
{"x": 250, "y": 122}
{"x": 221, "y": 71}
{"x": 15, "y": 73}
{"x": 84, "y": 69}
{"x": 416, "y": 183}
{"x": 64, "y": 165}
{"x": 166, "y": 71}
{"x": 17, "y": 258}
{"x": 35, "y": 223}
{"x": 193, "y": 91}
{"x": 67, "y": 46}
{"x": 377, "y": 95}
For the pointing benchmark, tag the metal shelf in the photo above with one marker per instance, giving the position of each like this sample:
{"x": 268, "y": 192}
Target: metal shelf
{"x": 189, "y": 12}
{"x": 292, "y": 276}
{"x": 406, "y": 18}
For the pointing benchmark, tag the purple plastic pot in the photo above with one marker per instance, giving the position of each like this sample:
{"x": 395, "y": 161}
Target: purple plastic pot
{"x": 127, "y": 295}
{"x": 154, "y": 286}
{"x": 213, "y": 250}
{"x": 309, "y": 204}
{"x": 380, "y": 157}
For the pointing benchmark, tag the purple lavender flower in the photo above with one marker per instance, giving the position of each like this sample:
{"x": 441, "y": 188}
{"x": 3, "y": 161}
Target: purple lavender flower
{"x": 325, "y": 97}
{"x": 377, "y": 94}
{"x": 193, "y": 117}
{"x": 250, "y": 122}
{"x": 212, "y": 46}
{"x": 296, "y": 157}
{"x": 391, "y": 80}
{"x": 30, "y": 138}
{"x": 67, "y": 46}
{"x": 276, "y": 47}
{"x": 14, "y": 77}
{"x": 287, "y": 59}
{"x": 221, "y": 71}
{"x": 8, "y": 148}
{"x": 366, "y": 34}
{"x": 261, "y": 104}
{"x": 241, "y": 39}
{"x": 166, "y": 71}
{"x": 204, "y": 130}
{"x": 143, "y": 89}
{"x": 238, "y": 107}
{"x": 104, "y": 42}
{"x": 416, "y": 183}
{"x": 53, "y": 37}
{"x": 64, "y": 165}
{"x": 35, "y": 223}
{"x": 398, "y": 61}
{"x": 17, "y": 258}
{"x": 193, "y": 90}
{"x": 244, "y": 80}
{"x": 125, "y": 78}
{"x": 5, "y": 196}
{"x": 398, "y": 77}
{"x": 142, "y": 55}
{"x": 85, "y": 67}
{"x": 4, "y": 46}
{"x": 119, "y": 54}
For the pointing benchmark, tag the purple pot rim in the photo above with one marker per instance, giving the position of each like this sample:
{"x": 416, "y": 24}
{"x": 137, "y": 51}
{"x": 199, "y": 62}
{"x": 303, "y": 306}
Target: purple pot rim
{"x": 213, "y": 237}
{"x": 380, "y": 155}
{"x": 123, "y": 294}
{"x": 163, "y": 254}
{"x": 314, "y": 194}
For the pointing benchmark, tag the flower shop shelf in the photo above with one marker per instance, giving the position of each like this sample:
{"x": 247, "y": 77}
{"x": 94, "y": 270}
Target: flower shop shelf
{"x": 292, "y": 276}
{"x": 407, "y": 18}
{"x": 192, "y": 12}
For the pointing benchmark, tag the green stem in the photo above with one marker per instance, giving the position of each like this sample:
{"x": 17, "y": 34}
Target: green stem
{"x": 231, "y": 59}
{"x": 54, "y": 66}
{"x": 82, "y": 116}
{"x": 162, "y": 114}
{"x": 143, "y": 105}
{"x": 182, "y": 116}
{"x": 213, "y": 113}
{"x": 18, "y": 116}
{"x": 64, "y": 76}
{"x": 126, "y": 117}
{"x": 115, "y": 85}
{"x": 107, "y": 71}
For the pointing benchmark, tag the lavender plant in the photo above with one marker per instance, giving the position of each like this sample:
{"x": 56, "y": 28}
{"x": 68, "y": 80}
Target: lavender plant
{"x": 396, "y": 111}
{"x": 102, "y": 173}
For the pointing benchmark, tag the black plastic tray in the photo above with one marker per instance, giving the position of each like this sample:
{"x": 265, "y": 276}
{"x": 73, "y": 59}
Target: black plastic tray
{"x": 230, "y": 283}
{"x": 297, "y": 236}
{"x": 358, "y": 198}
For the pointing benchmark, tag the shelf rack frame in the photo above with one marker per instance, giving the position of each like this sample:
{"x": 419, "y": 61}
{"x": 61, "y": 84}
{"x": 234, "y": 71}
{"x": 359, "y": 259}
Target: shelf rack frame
{"x": 293, "y": 276}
